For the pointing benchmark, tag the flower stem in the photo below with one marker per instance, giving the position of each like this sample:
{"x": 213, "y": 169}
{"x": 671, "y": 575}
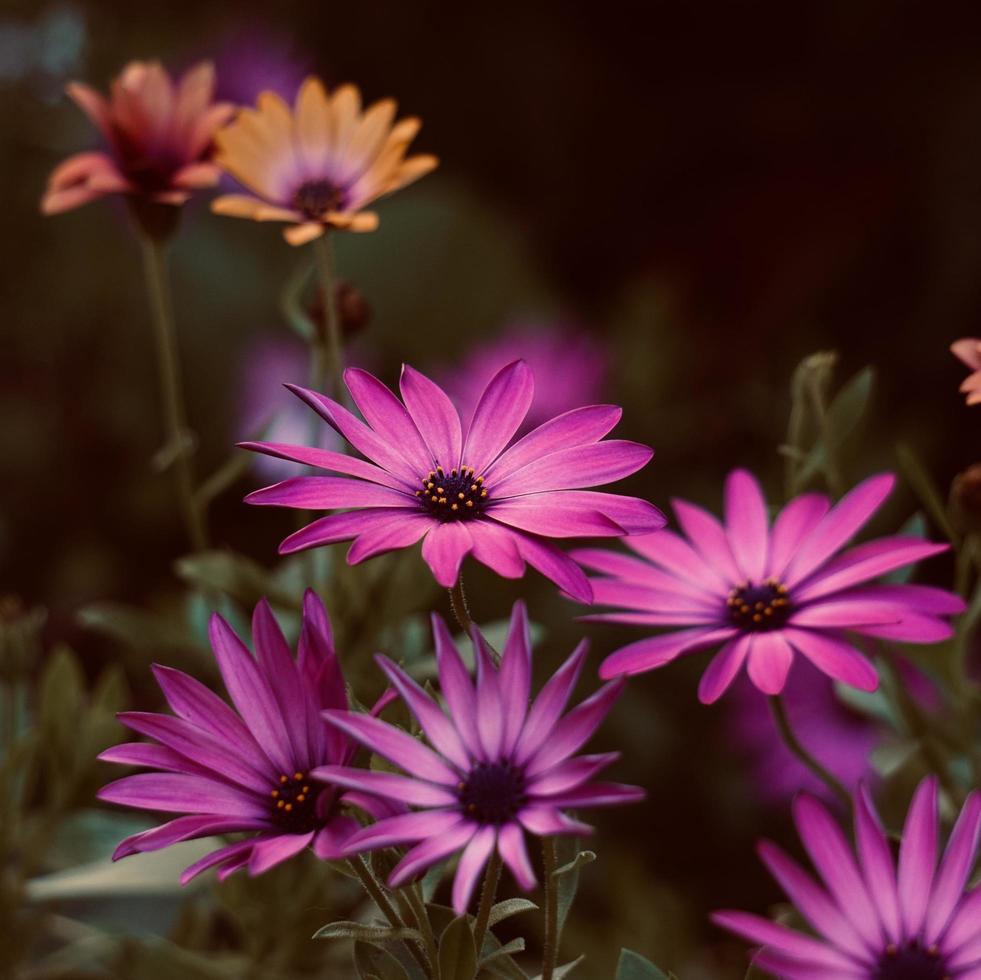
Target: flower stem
{"x": 550, "y": 950}
{"x": 418, "y": 905}
{"x": 179, "y": 439}
{"x": 793, "y": 743}
{"x": 331, "y": 355}
{"x": 371, "y": 885}
{"x": 487, "y": 895}
{"x": 458, "y": 602}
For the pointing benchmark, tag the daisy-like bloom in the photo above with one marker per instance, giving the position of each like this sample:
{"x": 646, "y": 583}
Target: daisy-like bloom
{"x": 496, "y": 767}
{"x": 248, "y": 769}
{"x": 570, "y": 366}
{"x": 316, "y": 166}
{"x": 874, "y": 918}
{"x": 764, "y": 593}
{"x": 463, "y": 492}
{"x": 159, "y": 134}
{"x": 968, "y": 350}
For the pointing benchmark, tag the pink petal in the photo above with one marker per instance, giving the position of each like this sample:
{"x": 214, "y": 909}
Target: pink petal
{"x": 501, "y": 409}
{"x": 655, "y": 651}
{"x": 270, "y": 851}
{"x": 793, "y": 524}
{"x": 472, "y": 862}
{"x": 444, "y": 548}
{"x": 708, "y": 538}
{"x": 511, "y": 846}
{"x": 747, "y": 524}
{"x": 875, "y": 857}
{"x": 918, "y": 856}
{"x": 435, "y": 417}
{"x": 836, "y": 658}
{"x": 721, "y": 672}
{"x": 769, "y": 662}
{"x": 955, "y": 869}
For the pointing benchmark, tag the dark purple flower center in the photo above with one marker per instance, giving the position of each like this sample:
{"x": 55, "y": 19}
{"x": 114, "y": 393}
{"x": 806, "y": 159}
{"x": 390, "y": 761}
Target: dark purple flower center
{"x": 455, "y": 496}
{"x": 911, "y": 962}
{"x": 761, "y": 607}
{"x": 294, "y": 806}
{"x": 493, "y": 792}
{"x": 315, "y": 198}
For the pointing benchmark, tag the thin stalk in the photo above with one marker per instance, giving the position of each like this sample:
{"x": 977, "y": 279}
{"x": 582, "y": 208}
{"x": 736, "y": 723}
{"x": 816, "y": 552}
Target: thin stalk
{"x": 458, "y": 602}
{"x": 487, "y": 895}
{"x": 334, "y": 351}
{"x": 179, "y": 441}
{"x": 550, "y": 949}
{"x": 423, "y": 924}
{"x": 793, "y": 743}
{"x": 360, "y": 867}
{"x": 832, "y": 470}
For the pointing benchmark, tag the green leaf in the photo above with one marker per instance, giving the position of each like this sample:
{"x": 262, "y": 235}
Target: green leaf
{"x": 923, "y": 486}
{"x": 582, "y": 858}
{"x": 633, "y": 966}
{"x": 231, "y": 573}
{"x": 515, "y": 946}
{"x": 570, "y": 859}
{"x": 565, "y": 969}
{"x": 507, "y": 908}
{"x": 457, "y": 952}
{"x": 373, "y": 961}
{"x": 62, "y": 690}
{"x": 366, "y": 933}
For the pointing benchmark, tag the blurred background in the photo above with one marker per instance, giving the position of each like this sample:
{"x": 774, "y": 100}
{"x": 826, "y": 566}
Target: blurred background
{"x": 682, "y": 200}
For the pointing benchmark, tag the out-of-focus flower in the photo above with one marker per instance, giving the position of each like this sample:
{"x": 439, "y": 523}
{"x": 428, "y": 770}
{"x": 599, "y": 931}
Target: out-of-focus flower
{"x": 765, "y": 593}
{"x": 570, "y": 367}
{"x": 496, "y": 767}
{"x": 874, "y": 918}
{"x": 246, "y": 770}
{"x": 968, "y": 350}
{"x": 318, "y": 165}
{"x": 258, "y": 59}
{"x": 159, "y": 135}
{"x": 463, "y": 493}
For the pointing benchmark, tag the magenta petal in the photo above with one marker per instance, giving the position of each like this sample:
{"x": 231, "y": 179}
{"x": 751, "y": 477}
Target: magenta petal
{"x": 747, "y": 524}
{"x": 153, "y": 757}
{"x": 835, "y": 657}
{"x": 554, "y": 564}
{"x": 501, "y": 409}
{"x": 327, "y": 460}
{"x": 846, "y": 612}
{"x": 569, "y": 774}
{"x": 403, "y": 789}
{"x": 342, "y": 527}
{"x": 431, "y": 850}
{"x": 635, "y": 571}
{"x": 403, "y": 829}
{"x": 433, "y": 721}
{"x": 634, "y": 515}
{"x": 876, "y": 860}
{"x": 547, "y": 821}
{"x": 921, "y": 598}
{"x": 270, "y": 851}
{"x": 395, "y": 745}
{"x": 572, "y": 469}
{"x": 230, "y": 854}
{"x": 181, "y": 829}
{"x": 329, "y": 842}
{"x": 912, "y": 629}
{"x": 721, "y": 672}
{"x": 708, "y": 538}
{"x": 435, "y": 417}
{"x": 178, "y": 793}
{"x": 793, "y": 524}
{"x": 578, "y": 427}
{"x": 328, "y": 493}
{"x": 838, "y": 526}
{"x": 672, "y": 553}
{"x": 511, "y": 846}
{"x": 655, "y": 651}
{"x": 471, "y": 864}
{"x": 769, "y": 662}
{"x": 955, "y": 869}
{"x": 918, "y": 856}
{"x": 402, "y": 531}
{"x": 457, "y": 686}
{"x": 671, "y": 606}
{"x": 494, "y": 546}
{"x": 599, "y": 794}
{"x": 515, "y": 675}
{"x": 444, "y": 548}
{"x": 549, "y": 515}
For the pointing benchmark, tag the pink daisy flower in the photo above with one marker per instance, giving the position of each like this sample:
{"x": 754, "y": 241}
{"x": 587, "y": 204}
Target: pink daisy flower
{"x": 766, "y": 592}
{"x": 969, "y": 351}
{"x": 496, "y": 768}
{"x": 874, "y": 918}
{"x": 463, "y": 491}
{"x": 247, "y": 769}
{"x": 159, "y": 138}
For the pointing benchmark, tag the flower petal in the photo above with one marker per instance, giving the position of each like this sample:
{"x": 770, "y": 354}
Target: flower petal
{"x": 747, "y": 524}
{"x": 656, "y": 651}
{"x": 444, "y": 548}
{"x": 721, "y": 672}
{"x": 471, "y": 864}
{"x": 435, "y": 417}
{"x": 918, "y": 856}
{"x": 501, "y": 408}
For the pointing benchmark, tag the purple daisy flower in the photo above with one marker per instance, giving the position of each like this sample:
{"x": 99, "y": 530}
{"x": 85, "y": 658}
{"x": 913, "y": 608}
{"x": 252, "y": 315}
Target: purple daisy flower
{"x": 874, "y": 920}
{"x": 463, "y": 492}
{"x": 249, "y": 769}
{"x": 765, "y": 592}
{"x": 496, "y": 768}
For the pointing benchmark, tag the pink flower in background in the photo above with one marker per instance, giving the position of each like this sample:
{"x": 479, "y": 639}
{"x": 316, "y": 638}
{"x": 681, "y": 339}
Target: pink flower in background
{"x": 158, "y": 134}
{"x": 969, "y": 351}
{"x": 258, "y": 59}
{"x": 765, "y": 593}
{"x": 873, "y": 917}
{"x": 840, "y": 739}
{"x": 463, "y": 491}
{"x": 570, "y": 367}
{"x": 497, "y": 768}
{"x": 246, "y": 769}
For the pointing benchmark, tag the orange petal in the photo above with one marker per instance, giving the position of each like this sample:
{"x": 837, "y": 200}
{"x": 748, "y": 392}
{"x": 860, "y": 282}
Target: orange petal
{"x": 301, "y": 234}
{"x": 237, "y": 205}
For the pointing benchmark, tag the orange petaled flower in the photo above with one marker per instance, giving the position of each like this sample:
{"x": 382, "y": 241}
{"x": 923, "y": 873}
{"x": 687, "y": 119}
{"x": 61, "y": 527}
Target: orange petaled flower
{"x": 969, "y": 351}
{"x": 159, "y": 134}
{"x": 318, "y": 165}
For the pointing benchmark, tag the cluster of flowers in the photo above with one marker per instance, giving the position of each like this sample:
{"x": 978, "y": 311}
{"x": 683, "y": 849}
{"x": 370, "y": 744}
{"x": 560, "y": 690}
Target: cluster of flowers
{"x": 494, "y": 763}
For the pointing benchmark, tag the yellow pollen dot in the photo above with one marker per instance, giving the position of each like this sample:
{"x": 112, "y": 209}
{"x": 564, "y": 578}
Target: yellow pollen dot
{"x": 442, "y": 500}
{"x": 440, "y": 490}
{"x": 757, "y": 618}
{"x": 461, "y": 496}
{"x": 280, "y": 805}
{"x": 275, "y": 793}
{"x": 418, "y": 493}
{"x": 470, "y": 503}
{"x": 744, "y": 609}
{"x": 768, "y": 611}
{"x": 284, "y": 779}
{"x": 455, "y": 507}
{"x": 300, "y": 798}
{"x": 483, "y": 493}
{"x": 434, "y": 499}
{"x": 439, "y": 469}
{"x": 473, "y": 487}
{"x": 298, "y": 776}
{"x": 461, "y": 786}
{"x": 480, "y": 479}
{"x": 430, "y": 485}
{"x": 288, "y": 807}
{"x": 306, "y": 789}
{"x": 453, "y": 472}
{"x": 472, "y": 808}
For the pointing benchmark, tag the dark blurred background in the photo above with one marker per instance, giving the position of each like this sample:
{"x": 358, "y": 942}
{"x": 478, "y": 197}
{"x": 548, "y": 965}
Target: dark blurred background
{"x": 714, "y": 190}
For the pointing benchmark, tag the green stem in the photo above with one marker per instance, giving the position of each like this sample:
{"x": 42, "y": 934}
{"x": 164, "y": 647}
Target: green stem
{"x": 423, "y": 924}
{"x": 832, "y": 470}
{"x": 334, "y": 351}
{"x": 487, "y": 895}
{"x": 550, "y": 950}
{"x": 793, "y": 743}
{"x": 371, "y": 885}
{"x": 179, "y": 439}
{"x": 458, "y": 602}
